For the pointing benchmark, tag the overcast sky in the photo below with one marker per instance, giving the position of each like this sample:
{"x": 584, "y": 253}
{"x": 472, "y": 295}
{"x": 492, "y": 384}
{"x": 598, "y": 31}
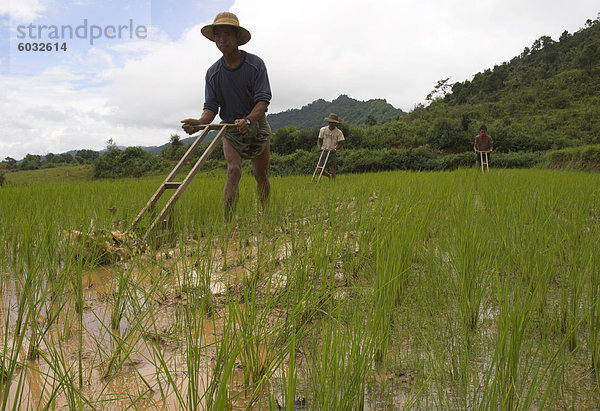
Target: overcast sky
{"x": 135, "y": 89}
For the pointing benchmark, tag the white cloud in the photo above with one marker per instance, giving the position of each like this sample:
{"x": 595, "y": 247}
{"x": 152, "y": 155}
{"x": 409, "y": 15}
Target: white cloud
{"x": 139, "y": 103}
{"x": 46, "y": 113}
{"x": 393, "y": 49}
{"x": 24, "y": 10}
{"x": 163, "y": 87}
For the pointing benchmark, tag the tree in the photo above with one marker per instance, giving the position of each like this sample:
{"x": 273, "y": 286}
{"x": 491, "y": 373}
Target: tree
{"x": 546, "y": 41}
{"x": 371, "y": 121}
{"x": 51, "y": 158}
{"x": 448, "y": 134}
{"x": 353, "y": 138}
{"x": 111, "y": 145}
{"x": 282, "y": 141}
{"x": 589, "y": 57}
{"x": 176, "y": 149}
{"x": 175, "y": 140}
{"x": 306, "y": 139}
{"x": 31, "y": 162}
{"x": 344, "y": 128}
{"x": 10, "y": 163}
{"x": 441, "y": 89}
{"x": 86, "y": 156}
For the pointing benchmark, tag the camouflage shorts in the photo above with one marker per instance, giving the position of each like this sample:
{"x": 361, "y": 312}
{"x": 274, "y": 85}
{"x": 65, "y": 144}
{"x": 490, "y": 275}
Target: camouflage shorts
{"x": 253, "y": 143}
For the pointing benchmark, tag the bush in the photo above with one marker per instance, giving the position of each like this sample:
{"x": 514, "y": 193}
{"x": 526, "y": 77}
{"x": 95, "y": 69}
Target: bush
{"x": 2, "y": 179}
{"x": 516, "y": 160}
{"x": 299, "y": 162}
{"x": 358, "y": 161}
{"x": 448, "y": 133}
{"x": 454, "y": 161}
{"x": 131, "y": 162}
{"x": 415, "y": 159}
{"x": 174, "y": 152}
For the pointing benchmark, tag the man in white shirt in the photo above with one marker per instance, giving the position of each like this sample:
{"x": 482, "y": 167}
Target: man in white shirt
{"x": 330, "y": 139}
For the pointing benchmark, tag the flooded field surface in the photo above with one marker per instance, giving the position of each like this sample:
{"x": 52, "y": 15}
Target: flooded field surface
{"x": 465, "y": 291}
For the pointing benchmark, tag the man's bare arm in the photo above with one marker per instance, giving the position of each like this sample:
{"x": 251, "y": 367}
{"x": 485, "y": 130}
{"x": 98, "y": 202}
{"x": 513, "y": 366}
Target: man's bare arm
{"x": 191, "y": 125}
{"x": 260, "y": 108}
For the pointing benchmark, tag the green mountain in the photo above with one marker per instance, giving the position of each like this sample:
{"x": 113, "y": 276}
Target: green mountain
{"x": 350, "y": 111}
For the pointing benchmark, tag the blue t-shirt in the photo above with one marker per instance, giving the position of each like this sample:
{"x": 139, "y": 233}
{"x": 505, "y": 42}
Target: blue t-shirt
{"x": 236, "y": 91}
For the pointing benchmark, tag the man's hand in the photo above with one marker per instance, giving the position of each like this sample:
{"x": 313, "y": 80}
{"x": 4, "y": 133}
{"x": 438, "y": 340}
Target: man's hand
{"x": 191, "y": 125}
{"x": 242, "y": 125}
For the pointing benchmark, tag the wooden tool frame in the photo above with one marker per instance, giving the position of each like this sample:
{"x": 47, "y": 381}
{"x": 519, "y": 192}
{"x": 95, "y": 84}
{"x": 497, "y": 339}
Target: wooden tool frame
{"x": 180, "y": 186}
{"x": 321, "y": 167}
{"x": 484, "y": 161}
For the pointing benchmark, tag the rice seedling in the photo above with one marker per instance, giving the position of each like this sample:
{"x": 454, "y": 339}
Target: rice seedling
{"x": 397, "y": 289}
{"x": 340, "y": 361}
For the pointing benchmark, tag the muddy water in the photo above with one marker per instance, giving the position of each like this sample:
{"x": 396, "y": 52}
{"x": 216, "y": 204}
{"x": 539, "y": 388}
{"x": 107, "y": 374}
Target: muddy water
{"x": 88, "y": 349}
{"x": 155, "y": 372}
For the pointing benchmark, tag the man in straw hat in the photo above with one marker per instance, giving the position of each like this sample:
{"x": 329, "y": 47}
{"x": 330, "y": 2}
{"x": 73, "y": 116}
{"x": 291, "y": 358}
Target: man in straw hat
{"x": 238, "y": 89}
{"x": 330, "y": 139}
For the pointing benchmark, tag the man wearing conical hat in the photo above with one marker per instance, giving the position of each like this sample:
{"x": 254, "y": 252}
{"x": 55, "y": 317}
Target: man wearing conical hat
{"x": 237, "y": 88}
{"x": 330, "y": 139}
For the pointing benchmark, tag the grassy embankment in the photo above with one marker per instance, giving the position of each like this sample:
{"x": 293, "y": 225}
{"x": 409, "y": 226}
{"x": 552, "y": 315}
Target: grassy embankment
{"x": 51, "y": 175}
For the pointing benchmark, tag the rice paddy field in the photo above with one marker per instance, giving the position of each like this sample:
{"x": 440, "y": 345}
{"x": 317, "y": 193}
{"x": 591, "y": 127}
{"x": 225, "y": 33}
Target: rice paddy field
{"x": 378, "y": 291}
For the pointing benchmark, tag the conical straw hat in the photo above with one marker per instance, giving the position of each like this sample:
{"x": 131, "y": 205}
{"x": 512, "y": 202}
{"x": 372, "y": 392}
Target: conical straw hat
{"x": 226, "y": 19}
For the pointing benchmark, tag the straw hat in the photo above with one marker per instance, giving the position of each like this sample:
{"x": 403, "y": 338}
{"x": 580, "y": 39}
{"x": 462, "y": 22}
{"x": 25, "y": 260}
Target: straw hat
{"x": 226, "y": 19}
{"x": 333, "y": 118}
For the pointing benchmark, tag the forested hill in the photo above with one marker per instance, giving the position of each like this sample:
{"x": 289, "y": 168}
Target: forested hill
{"x": 572, "y": 57}
{"x": 545, "y": 98}
{"x": 351, "y": 111}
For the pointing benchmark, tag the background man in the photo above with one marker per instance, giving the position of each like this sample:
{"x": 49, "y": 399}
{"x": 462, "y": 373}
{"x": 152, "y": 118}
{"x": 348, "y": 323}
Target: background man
{"x": 237, "y": 88}
{"x": 483, "y": 142}
{"x": 330, "y": 139}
